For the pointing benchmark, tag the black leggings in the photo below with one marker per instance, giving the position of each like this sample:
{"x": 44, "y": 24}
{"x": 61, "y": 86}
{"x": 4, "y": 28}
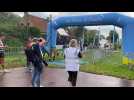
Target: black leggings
{"x": 72, "y": 77}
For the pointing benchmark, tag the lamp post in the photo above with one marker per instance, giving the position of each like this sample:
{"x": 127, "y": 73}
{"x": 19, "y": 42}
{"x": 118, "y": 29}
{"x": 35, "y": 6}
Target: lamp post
{"x": 99, "y": 36}
{"x": 114, "y": 37}
{"x": 29, "y": 35}
{"x": 26, "y": 15}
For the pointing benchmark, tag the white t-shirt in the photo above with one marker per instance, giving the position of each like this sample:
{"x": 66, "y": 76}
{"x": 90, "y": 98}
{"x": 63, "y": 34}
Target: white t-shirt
{"x": 71, "y": 59}
{"x": 1, "y": 44}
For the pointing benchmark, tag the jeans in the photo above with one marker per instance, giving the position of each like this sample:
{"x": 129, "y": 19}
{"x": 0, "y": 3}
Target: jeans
{"x": 38, "y": 67}
{"x": 36, "y": 77}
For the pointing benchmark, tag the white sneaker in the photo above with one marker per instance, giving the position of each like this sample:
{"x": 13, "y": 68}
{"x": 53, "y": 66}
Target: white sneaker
{"x": 34, "y": 85}
{"x": 41, "y": 86}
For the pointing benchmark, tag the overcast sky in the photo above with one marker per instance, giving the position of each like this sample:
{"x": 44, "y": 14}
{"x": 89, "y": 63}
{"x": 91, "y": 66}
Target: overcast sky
{"x": 104, "y": 29}
{"x": 55, "y": 14}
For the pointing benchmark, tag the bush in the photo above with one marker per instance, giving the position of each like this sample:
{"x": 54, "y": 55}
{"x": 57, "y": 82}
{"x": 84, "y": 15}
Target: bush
{"x": 35, "y": 32}
{"x": 117, "y": 46}
{"x": 14, "y": 42}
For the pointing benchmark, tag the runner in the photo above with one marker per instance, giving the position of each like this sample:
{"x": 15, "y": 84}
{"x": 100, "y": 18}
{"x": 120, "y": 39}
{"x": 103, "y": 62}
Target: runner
{"x": 72, "y": 55}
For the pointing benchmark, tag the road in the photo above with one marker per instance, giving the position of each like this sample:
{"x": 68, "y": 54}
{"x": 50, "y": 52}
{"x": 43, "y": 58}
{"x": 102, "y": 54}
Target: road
{"x": 53, "y": 77}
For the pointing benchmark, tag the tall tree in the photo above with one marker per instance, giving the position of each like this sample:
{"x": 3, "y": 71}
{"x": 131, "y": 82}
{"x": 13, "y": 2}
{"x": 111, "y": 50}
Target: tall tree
{"x": 113, "y": 34}
{"x": 76, "y": 31}
{"x": 8, "y": 22}
{"x": 90, "y": 35}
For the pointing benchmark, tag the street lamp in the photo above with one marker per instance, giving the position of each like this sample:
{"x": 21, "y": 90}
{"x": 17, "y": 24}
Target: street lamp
{"x": 114, "y": 37}
{"x": 29, "y": 35}
{"x": 26, "y": 15}
{"x": 99, "y": 35}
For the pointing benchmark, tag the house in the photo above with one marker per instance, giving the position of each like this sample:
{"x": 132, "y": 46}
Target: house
{"x": 34, "y": 21}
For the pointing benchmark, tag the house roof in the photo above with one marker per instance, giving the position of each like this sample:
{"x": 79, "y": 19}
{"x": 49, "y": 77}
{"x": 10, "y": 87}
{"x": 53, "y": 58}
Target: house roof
{"x": 35, "y": 21}
{"x": 39, "y": 23}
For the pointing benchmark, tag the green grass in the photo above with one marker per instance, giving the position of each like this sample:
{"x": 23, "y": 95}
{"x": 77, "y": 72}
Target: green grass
{"x": 55, "y": 66}
{"x": 13, "y": 42}
{"x": 59, "y": 58}
{"x": 15, "y": 61}
{"x": 109, "y": 65}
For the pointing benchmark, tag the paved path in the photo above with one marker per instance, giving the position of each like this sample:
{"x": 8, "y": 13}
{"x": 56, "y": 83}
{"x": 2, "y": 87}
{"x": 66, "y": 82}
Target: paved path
{"x": 58, "y": 78}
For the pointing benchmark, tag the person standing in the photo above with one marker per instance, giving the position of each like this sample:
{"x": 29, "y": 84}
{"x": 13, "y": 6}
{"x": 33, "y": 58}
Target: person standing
{"x": 28, "y": 54}
{"x": 38, "y": 62}
{"x": 2, "y": 53}
{"x": 72, "y": 55}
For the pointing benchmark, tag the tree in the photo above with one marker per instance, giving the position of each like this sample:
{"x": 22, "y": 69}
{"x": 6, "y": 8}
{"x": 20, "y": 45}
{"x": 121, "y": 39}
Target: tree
{"x": 76, "y": 31}
{"x": 22, "y": 33}
{"x": 102, "y": 37}
{"x": 8, "y": 25}
{"x": 116, "y": 38}
{"x": 35, "y": 32}
{"x": 110, "y": 37}
{"x": 90, "y": 35}
{"x": 8, "y": 22}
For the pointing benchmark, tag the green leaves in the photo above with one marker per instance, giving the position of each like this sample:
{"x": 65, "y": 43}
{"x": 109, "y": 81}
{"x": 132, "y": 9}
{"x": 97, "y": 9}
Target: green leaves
{"x": 34, "y": 31}
{"x": 8, "y": 22}
{"x": 110, "y": 37}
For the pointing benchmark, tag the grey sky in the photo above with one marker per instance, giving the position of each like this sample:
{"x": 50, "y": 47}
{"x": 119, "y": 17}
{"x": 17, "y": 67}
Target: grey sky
{"x": 55, "y": 14}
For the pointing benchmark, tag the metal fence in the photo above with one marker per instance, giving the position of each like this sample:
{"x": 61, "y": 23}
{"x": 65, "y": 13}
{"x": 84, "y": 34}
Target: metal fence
{"x": 93, "y": 54}
{"x": 97, "y": 54}
{"x": 11, "y": 51}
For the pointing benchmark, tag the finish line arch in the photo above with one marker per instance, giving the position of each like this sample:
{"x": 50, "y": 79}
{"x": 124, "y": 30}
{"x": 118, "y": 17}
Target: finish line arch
{"x": 122, "y": 21}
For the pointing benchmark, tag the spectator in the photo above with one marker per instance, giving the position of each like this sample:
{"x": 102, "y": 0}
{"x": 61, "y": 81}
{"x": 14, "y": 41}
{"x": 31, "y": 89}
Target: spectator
{"x": 28, "y": 52}
{"x": 2, "y": 53}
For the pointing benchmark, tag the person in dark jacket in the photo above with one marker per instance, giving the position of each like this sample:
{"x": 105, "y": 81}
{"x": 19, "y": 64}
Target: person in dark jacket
{"x": 38, "y": 62}
{"x": 28, "y": 54}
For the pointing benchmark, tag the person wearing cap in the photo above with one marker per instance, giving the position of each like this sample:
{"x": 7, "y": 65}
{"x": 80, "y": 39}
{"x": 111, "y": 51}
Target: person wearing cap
{"x": 35, "y": 40}
{"x": 38, "y": 62}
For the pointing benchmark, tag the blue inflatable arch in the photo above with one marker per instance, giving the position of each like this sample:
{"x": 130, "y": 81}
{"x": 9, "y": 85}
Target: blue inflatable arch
{"x": 125, "y": 22}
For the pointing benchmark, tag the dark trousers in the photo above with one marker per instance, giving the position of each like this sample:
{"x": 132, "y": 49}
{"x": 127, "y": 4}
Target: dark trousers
{"x": 72, "y": 77}
{"x": 29, "y": 63}
{"x": 28, "y": 58}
